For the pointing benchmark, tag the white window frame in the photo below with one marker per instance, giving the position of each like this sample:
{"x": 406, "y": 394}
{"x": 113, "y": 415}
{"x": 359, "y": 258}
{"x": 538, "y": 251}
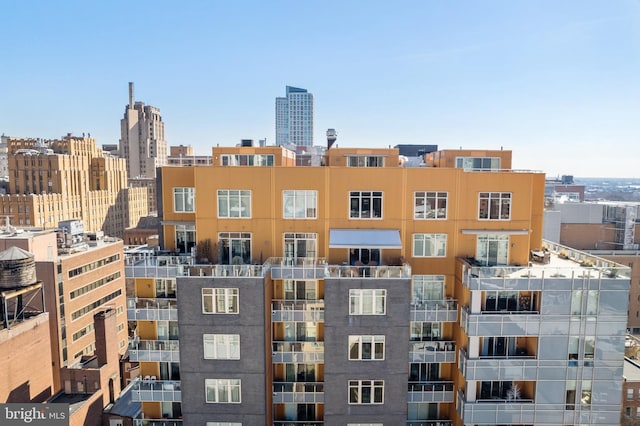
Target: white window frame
{"x": 483, "y": 249}
{"x": 222, "y": 300}
{"x": 299, "y": 204}
{"x": 358, "y": 344}
{"x": 370, "y": 197}
{"x": 365, "y": 160}
{"x": 429, "y": 245}
{"x": 427, "y": 287}
{"x": 258, "y": 160}
{"x": 184, "y": 200}
{"x": 218, "y": 385}
{"x": 435, "y": 201}
{"x": 494, "y": 163}
{"x": 494, "y": 205}
{"x": 360, "y": 299}
{"x": 224, "y": 424}
{"x": 232, "y": 200}
{"x": 358, "y": 386}
{"x": 295, "y": 238}
{"x": 221, "y": 346}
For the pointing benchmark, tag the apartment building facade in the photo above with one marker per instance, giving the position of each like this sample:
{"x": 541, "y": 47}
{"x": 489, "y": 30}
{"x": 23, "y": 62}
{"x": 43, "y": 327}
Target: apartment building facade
{"x": 365, "y": 292}
{"x": 294, "y": 117}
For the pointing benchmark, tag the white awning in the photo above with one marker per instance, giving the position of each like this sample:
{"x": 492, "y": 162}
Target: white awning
{"x": 365, "y": 238}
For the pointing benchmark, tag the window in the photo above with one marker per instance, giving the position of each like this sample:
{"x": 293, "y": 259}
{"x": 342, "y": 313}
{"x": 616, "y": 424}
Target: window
{"x": 367, "y": 301}
{"x": 430, "y": 205}
{"x": 365, "y": 161}
{"x": 219, "y": 300}
{"x": 235, "y": 248}
{"x": 478, "y": 163}
{"x": 429, "y": 245}
{"x": 300, "y": 290}
{"x": 246, "y": 160}
{"x": 629, "y": 394}
{"x": 221, "y": 346}
{"x": 585, "y": 398}
{"x": 570, "y": 398}
{"x": 224, "y": 424}
{"x": 364, "y": 256}
{"x": 222, "y": 390}
{"x": 365, "y": 204}
{"x": 366, "y": 348}
{"x": 185, "y": 238}
{"x": 366, "y": 391}
{"x": 492, "y": 249}
{"x": 299, "y": 204}
{"x": 425, "y": 331}
{"x": 300, "y": 245}
{"x": 183, "y": 200}
{"x": 427, "y": 287}
{"x": 424, "y": 372}
{"x": 495, "y": 206}
{"x": 574, "y": 342}
{"x": 234, "y": 203}
{"x": 365, "y": 424}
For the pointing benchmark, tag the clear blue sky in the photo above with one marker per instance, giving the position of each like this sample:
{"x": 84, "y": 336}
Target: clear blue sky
{"x": 558, "y": 82}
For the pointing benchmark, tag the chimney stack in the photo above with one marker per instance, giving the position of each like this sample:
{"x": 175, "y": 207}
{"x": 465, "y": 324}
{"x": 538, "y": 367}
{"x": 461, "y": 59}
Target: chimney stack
{"x": 332, "y": 135}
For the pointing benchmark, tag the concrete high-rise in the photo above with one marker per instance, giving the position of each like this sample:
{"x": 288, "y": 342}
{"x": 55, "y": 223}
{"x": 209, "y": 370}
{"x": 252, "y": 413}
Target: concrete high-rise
{"x": 294, "y": 118}
{"x": 142, "y": 141}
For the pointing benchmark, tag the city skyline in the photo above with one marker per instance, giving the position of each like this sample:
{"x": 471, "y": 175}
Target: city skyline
{"x": 557, "y": 83}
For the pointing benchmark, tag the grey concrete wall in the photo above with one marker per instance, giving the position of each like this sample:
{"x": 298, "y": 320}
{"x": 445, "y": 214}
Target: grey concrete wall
{"x": 393, "y": 370}
{"x": 250, "y": 368}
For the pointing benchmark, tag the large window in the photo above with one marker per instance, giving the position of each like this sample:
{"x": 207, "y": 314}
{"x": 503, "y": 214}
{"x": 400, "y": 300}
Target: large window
{"x": 234, "y": 203}
{"x": 366, "y": 391}
{"x": 492, "y": 249}
{"x": 494, "y": 206}
{"x": 222, "y": 390}
{"x": 235, "y": 248}
{"x": 365, "y": 204}
{"x": 219, "y": 300}
{"x": 427, "y": 287}
{"x": 478, "y": 163}
{"x": 359, "y": 256}
{"x": 300, "y": 204}
{"x": 367, "y": 301}
{"x": 246, "y": 160}
{"x": 185, "y": 238}
{"x": 425, "y": 331}
{"x": 366, "y": 348}
{"x": 429, "y": 245}
{"x": 365, "y": 161}
{"x": 183, "y": 200}
{"x": 430, "y": 205}
{"x": 300, "y": 245}
{"x": 300, "y": 290}
{"x": 221, "y": 346}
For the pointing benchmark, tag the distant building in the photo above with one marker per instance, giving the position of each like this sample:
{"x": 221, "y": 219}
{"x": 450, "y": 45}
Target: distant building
{"x": 294, "y": 118}
{"x": 142, "y": 141}
{"x": 4, "y": 159}
{"x": 70, "y": 178}
{"x": 563, "y": 189}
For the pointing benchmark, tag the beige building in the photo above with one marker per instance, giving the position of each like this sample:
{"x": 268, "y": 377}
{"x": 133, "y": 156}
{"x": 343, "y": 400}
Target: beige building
{"x": 71, "y": 178}
{"x": 142, "y": 141}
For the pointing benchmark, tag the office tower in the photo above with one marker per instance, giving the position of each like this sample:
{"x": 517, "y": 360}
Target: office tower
{"x": 56, "y": 180}
{"x": 370, "y": 293}
{"x": 142, "y": 141}
{"x": 294, "y": 118}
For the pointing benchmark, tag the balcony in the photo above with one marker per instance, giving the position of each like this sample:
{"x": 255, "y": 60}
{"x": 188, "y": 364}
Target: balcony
{"x": 369, "y": 271}
{"x": 433, "y": 351}
{"x": 155, "y": 350}
{"x": 503, "y": 368}
{"x": 435, "y": 311}
{"x": 152, "y": 309}
{"x": 430, "y": 392}
{"x": 500, "y": 323}
{"x": 429, "y": 423}
{"x": 156, "y": 391}
{"x": 502, "y": 410}
{"x": 298, "y": 352}
{"x": 297, "y": 423}
{"x": 301, "y": 268}
{"x": 298, "y": 392}
{"x": 156, "y": 266}
{"x": 297, "y": 310}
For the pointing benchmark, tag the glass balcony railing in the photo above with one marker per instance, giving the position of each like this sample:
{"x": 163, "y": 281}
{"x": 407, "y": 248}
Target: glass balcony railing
{"x": 432, "y": 351}
{"x": 429, "y": 423}
{"x": 434, "y": 311}
{"x": 298, "y": 392}
{"x": 155, "y": 350}
{"x": 157, "y": 422}
{"x": 318, "y": 268}
{"x": 498, "y": 323}
{"x": 299, "y": 352}
{"x": 298, "y": 310}
{"x": 435, "y": 391}
{"x": 156, "y": 390}
{"x": 152, "y": 309}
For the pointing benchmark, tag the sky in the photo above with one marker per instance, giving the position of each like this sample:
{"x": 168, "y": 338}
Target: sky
{"x": 556, "y": 82}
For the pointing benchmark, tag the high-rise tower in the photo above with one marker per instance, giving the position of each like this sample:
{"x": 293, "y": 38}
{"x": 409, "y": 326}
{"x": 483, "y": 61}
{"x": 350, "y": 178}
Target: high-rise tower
{"x": 142, "y": 140}
{"x": 294, "y": 118}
